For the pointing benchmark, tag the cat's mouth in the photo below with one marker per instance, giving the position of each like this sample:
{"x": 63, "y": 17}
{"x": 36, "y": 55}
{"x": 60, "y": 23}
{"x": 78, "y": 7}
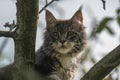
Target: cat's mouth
{"x": 63, "y": 48}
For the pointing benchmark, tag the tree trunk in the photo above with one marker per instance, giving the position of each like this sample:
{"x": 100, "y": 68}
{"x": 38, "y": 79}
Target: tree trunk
{"x": 27, "y": 15}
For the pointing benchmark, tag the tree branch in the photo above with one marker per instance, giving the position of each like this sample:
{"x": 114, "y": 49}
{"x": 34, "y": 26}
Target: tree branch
{"x": 11, "y": 27}
{"x": 104, "y": 66}
{"x": 47, "y": 4}
{"x": 6, "y": 34}
{"x": 46, "y": 1}
{"x": 6, "y": 72}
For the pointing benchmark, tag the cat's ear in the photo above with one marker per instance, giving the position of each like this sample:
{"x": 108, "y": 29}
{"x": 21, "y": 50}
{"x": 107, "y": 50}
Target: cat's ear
{"x": 50, "y": 17}
{"x": 77, "y": 17}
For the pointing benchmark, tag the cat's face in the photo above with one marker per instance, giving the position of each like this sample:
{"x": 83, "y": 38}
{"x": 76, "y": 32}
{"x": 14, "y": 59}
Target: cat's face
{"x": 65, "y": 36}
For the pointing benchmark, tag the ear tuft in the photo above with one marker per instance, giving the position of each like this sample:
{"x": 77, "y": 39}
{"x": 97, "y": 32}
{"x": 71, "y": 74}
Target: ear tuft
{"x": 77, "y": 17}
{"x": 81, "y": 7}
{"x": 49, "y": 17}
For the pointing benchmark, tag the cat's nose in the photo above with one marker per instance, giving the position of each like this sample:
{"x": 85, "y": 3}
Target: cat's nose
{"x": 62, "y": 41}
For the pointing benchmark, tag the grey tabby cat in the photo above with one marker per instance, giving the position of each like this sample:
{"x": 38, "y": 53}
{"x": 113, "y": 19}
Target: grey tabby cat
{"x": 60, "y": 54}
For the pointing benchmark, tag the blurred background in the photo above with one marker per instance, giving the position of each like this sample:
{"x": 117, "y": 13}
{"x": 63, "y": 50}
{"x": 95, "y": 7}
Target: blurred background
{"x": 102, "y": 25}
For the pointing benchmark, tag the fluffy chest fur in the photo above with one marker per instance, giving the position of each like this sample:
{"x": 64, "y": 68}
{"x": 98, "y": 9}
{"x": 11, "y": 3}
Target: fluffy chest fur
{"x": 67, "y": 70}
{"x": 67, "y": 61}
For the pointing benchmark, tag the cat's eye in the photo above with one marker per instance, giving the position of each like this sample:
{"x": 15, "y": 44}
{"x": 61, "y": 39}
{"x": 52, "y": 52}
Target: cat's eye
{"x": 70, "y": 33}
{"x": 55, "y": 34}
{"x": 72, "y": 36}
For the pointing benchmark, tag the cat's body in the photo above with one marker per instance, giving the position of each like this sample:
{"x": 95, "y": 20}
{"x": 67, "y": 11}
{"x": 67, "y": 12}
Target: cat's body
{"x": 60, "y": 54}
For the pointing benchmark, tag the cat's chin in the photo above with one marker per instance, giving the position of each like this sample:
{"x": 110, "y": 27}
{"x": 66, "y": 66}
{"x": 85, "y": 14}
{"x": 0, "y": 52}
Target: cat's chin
{"x": 64, "y": 50}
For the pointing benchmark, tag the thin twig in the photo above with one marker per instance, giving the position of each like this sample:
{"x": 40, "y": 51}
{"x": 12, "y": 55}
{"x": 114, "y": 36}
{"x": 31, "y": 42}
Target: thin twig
{"x": 104, "y": 4}
{"x": 11, "y": 26}
{"x": 47, "y": 4}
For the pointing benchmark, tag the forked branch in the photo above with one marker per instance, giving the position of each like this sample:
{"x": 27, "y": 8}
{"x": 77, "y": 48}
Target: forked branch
{"x": 8, "y": 33}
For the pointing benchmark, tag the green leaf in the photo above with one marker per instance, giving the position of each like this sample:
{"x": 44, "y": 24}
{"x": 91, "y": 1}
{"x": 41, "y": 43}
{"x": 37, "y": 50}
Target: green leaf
{"x": 118, "y": 10}
{"x": 118, "y": 20}
{"x": 103, "y": 24}
{"x": 100, "y": 29}
{"x": 105, "y": 21}
{"x": 110, "y": 30}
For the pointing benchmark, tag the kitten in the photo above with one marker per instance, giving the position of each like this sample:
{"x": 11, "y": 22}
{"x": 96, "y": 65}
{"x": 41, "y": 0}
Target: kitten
{"x": 64, "y": 41}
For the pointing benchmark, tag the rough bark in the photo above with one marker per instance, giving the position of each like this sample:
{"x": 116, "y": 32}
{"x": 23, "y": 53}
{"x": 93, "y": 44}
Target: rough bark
{"x": 27, "y": 15}
{"x": 104, "y": 66}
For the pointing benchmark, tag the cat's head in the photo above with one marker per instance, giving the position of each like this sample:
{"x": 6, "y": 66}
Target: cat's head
{"x": 65, "y": 36}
